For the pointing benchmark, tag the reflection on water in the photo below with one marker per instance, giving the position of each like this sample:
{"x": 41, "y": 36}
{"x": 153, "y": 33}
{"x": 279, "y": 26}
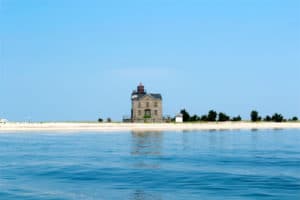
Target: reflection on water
{"x": 142, "y": 195}
{"x": 146, "y": 143}
{"x": 145, "y": 148}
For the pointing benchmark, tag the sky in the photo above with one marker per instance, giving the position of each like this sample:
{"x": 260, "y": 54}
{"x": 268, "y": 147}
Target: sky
{"x": 69, "y": 60}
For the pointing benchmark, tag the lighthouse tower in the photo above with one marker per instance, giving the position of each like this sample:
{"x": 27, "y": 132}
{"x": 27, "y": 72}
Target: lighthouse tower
{"x": 141, "y": 89}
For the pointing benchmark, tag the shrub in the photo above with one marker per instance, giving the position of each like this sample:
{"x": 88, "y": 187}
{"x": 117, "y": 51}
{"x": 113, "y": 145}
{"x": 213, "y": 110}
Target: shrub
{"x": 268, "y": 118}
{"x": 223, "y": 117}
{"x": 295, "y": 118}
{"x": 195, "y": 118}
{"x": 277, "y": 117}
{"x": 212, "y": 116}
{"x": 236, "y": 119}
{"x": 254, "y": 116}
{"x": 203, "y": 118}
{"x": 185, "y": 115}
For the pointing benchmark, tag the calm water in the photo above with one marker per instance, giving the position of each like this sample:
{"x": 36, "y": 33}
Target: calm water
{"x": 156, "y": 166}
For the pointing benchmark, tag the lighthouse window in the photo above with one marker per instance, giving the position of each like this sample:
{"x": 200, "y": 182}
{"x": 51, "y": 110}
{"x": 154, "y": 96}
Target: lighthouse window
{"x": 147, "y": 113}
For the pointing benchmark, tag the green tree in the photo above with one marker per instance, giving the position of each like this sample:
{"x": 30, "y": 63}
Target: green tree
{"x": 212, "y": 116}
{"x": 195, "y": 118}
{"x": 237, "y": 118}
{"x": 268, "y": 118}
{"x": 100, "y": 120}
{"x": 222, "y": 117}
{"x": 254, "y": 116}
{"x": 277, "y": 117}
{"x": 295, "y": 118}
{"x": 203, "y": 118}
{"x": 185, "y": 115}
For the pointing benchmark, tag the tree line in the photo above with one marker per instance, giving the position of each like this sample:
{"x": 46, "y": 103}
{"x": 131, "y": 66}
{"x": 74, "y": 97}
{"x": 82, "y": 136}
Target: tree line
{"x": 276, "y": 117}
{"x": 213, "y": 116}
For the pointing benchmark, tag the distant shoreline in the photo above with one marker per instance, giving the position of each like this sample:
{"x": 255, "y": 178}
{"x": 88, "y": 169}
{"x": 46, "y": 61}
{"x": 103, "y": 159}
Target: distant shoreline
{"x": 141, "y": 127}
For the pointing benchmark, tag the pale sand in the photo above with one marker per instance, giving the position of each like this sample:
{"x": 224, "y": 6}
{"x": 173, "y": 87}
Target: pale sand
{"x": 116, "y": 127}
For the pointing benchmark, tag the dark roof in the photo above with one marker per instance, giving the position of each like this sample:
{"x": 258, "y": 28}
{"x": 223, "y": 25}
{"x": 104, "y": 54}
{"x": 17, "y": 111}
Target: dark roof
{"x": 155, "y": 96}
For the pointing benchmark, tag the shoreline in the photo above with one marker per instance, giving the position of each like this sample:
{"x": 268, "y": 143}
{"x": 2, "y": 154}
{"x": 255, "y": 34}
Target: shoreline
{"x": 141, "y": 127}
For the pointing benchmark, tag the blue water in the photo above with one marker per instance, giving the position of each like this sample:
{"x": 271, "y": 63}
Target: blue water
{"x": 151, "y": 166}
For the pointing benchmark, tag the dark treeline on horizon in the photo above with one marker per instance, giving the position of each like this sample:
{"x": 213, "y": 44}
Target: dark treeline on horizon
{"x": 213, "y": 116}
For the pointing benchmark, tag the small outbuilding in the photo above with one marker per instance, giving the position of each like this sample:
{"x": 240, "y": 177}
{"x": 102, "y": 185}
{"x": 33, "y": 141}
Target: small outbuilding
{"x": 179, "y": 118}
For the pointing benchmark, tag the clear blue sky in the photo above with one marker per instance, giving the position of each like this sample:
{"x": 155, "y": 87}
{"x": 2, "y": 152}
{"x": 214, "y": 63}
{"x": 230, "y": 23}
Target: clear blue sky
{"x": 78, "y": 60}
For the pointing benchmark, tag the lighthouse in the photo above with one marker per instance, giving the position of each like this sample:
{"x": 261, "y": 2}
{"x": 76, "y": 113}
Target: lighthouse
{"x": 146, "y": 107}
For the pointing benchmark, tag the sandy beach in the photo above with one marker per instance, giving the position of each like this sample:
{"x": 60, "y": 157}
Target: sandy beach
{"x": 113, "y": 127}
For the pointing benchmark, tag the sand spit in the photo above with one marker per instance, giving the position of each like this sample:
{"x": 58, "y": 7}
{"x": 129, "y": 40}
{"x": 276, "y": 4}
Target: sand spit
{"x": 119, "y": 127}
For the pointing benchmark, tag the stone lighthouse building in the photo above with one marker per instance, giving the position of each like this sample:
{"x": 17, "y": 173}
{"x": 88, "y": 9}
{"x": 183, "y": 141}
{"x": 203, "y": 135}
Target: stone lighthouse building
{"x": 145, "y": 107}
